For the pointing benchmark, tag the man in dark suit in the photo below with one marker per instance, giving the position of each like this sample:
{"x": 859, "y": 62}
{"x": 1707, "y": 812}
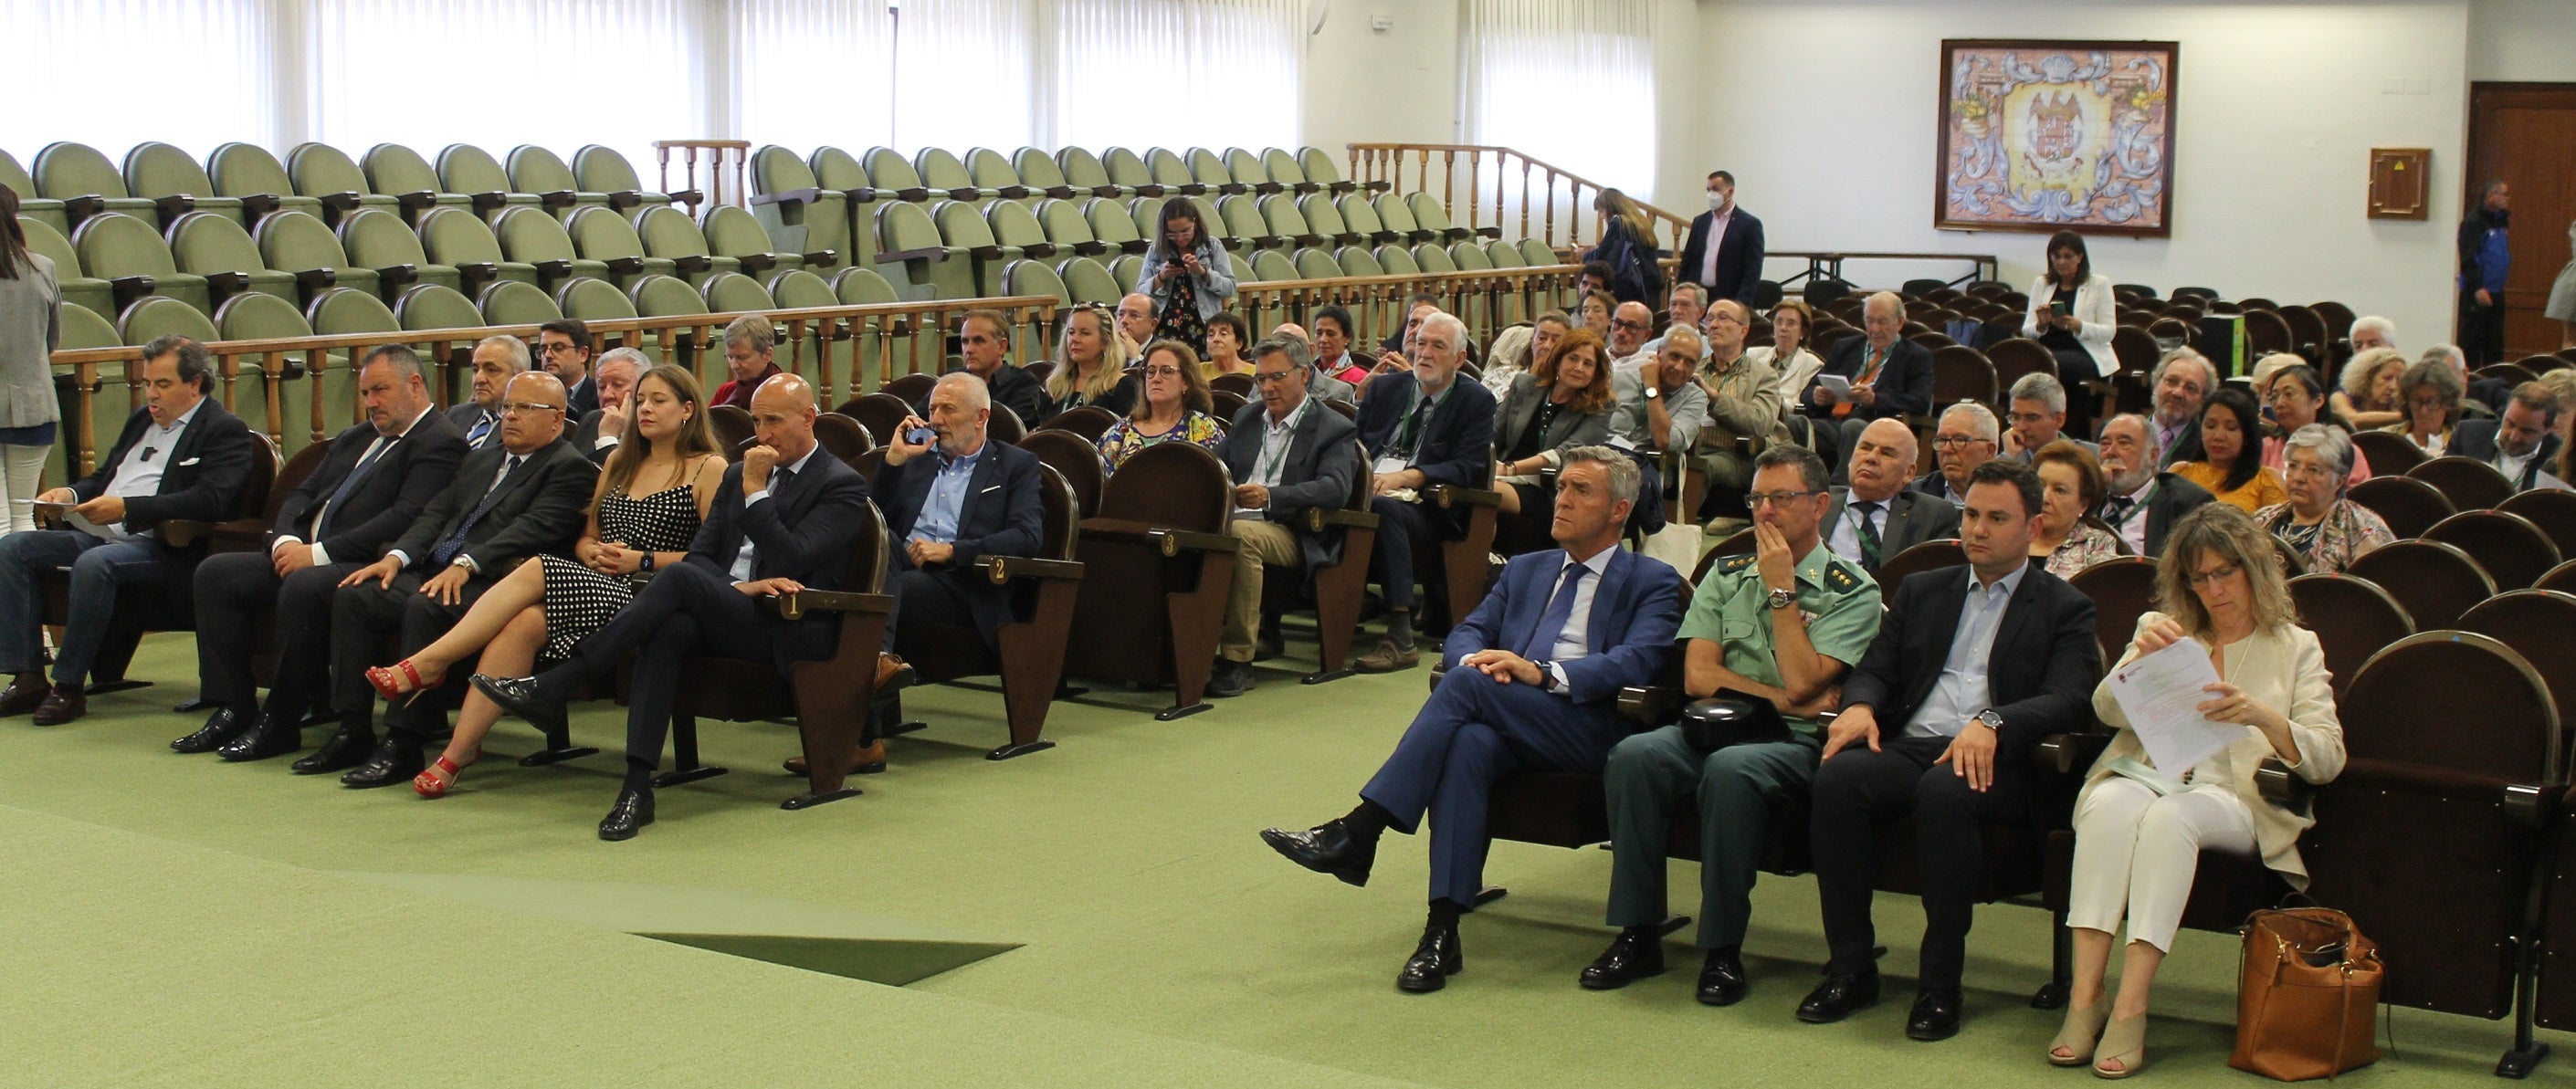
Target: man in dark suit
{"x": 786, "y": 519}
{"x": 1878, "y": 516}
{"x": 949, "y": 501}
{"x": 1533, "y": 681}
{"x": 600, "y": 428}
{"x": 1732, "y": 268}
{"x": 180, "y": 457}
{"x": 2181, "y": 384}
{"x": 1290, "y": 452}
{"x": 497, "y": 360}
{"x": 1889, "y": 374}
{"x": 1421, "y": 427}
{"x": 372, "y": 484}
{"x": 1969, "y": 670}
{"x": 529, "y": 494}
{"x": 1964, "y": 438}
{"x": 2140, "y": 502}
{"x": 984, "y": 346}
{"x": 565, "y": 344}
{"x": 2522, "y": 443}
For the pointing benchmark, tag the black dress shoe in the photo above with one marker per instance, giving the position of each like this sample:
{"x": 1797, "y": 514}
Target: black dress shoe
{"x": 1230, "y": 679}
{"x": 395, "y": 761}
{"x": 1433, "y": 961}
{"x": 63, "y": 703}
{"x": 1838, "y": 997}
{"x": 269, "y": 738}
{"x": 1721, "y": 979}
{"x": 518, "y": 696}
{"x": 23, "y": 694}
{"x": 1935, "y": 1016}
{"x": 1327, "y": 848}
{"x": 222, "y": 726}
{"x": 347, "y": 748}
{"x": 634, "y": 810}
{"x": 1637, "y": 953}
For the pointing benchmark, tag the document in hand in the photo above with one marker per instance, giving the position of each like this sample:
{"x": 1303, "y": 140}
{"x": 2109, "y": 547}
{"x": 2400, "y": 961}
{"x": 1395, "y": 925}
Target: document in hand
{"x": 1835, "y": 384}
{"x": 2161, "y": 693}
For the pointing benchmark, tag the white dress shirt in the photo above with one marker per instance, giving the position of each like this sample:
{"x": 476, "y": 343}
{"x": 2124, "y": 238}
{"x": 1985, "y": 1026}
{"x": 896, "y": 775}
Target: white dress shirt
{"x": 744, "y": 560}
{"x": 140, "y": 473}
{"x": 1575, "y": 642}
{"x": 373, "y": 451}
{"x": 1844, "y": 541}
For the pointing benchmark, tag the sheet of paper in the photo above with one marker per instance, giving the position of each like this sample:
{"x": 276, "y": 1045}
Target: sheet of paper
{"x": 114, "y": 532}
{"x": 1835, "y": 384}
{"x": 2161, "y": 693}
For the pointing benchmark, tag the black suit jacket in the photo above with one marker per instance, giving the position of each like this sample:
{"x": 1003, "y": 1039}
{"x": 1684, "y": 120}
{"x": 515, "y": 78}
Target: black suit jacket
{"x": 2040, "y": 672}
{"x": 467, "y": 414}
{"x": 2174, "y": 497}
{"x": 396, "y": 489}
{"x": 1912, "y": 518}
{"x": 805, "y": 531}
{"x": 583, "y": 396}
{"x": 207, "y": 469}
{"x": 2477, "y": 439}
{"x": 1013, "y": 390}
{"x": 542, "y": 508}
{"x": 1318, "y": 471}
{"x": 1904, "y": 385}
{"x": 585, "y": 439}
{"x": 1739, "y": 256}
{"x": 1003, "y": 516}
{"x": 1457, "y": 447}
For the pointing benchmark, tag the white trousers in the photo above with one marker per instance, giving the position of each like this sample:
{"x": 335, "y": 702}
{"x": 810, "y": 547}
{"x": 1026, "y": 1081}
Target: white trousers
{"x": 21, "y": 467}
{"x": 2136, "y": 851}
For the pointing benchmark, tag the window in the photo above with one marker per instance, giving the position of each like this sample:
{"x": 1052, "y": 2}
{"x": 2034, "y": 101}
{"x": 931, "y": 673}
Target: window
{"x": 116, "y": 73}
{"x": 1179, "y": 73}
{"x": 1544, "y": 76}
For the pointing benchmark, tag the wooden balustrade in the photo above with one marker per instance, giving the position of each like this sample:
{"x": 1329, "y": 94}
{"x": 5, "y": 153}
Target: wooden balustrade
{"x": 1487, "y": 300}
{"x": 714, "y": 189}
{"x": 1531, "y": 190}
{"x": 906, "y": 338}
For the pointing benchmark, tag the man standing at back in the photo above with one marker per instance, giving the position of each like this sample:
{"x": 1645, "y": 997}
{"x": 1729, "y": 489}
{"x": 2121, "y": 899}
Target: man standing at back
{"x": 1724, "y": 253}
{"x": 2486, "y": 256}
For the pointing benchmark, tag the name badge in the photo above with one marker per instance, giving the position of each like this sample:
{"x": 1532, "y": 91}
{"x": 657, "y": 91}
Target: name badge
{"x": 1390, "y": 465}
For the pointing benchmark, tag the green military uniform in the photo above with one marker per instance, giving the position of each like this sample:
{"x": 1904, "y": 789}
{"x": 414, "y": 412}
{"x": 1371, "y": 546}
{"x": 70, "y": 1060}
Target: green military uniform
{"x": 1648, "y": 772}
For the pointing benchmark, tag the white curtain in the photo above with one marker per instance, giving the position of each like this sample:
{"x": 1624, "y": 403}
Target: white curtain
{"x": 812, "y": 72}
{"x": 966, "y": 76}
{"x": 1178, "y": 73}
{"x": 500, "y": 73}
{"x": 115, "y": 73}
{"x": 1547, "y": 76}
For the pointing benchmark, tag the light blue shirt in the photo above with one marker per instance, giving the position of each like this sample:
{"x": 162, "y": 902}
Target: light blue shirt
{"x": 1963, "y": 692}
{"x": 946, "y": 505}
{"x": 1576, "y": 640}
{"x": 746, "y": 561}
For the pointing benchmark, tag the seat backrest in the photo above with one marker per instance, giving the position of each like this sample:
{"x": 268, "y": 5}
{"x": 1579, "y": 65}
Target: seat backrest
{"x": 536, "y": 170}
{"x": 254, "y": 315}
{"x": 2469, "y": 483}
{"x": 291, "y": 477}
{"x": 1033, "y": 167}
{"x": 205, "y": 243}
{"x": 292, "y": 241}
{"x": 342, "y": 311}
{"x": 735, "y": 293}
{"x": 904, "y": 226}
{"x": 1394, "y": 213}
{"x": 667, "y": 297}
{"x": 1321, "y": 215}
{"x": 1176, "y": 485}
{"x": 775, "y": 169}
{"x": 2540, "y": 625}
{"x": 531, "y": 235}
{"x": 1961, "y": 373}
{"x": 1243, "y": 218}
{"x": 914, "y": 389}
{"x": 1211, "y": 169}
{"x": 960, "y": 224}
{"x": 862, "y": 287}
{"x": 1167, "y": 167}
{"x": 2409, "y": 506}
{"x": 940, "y": 169}
{"x": 2390, "y": 714}
{"x": 1427, "y": 211}
{"x": 600, "y": 234}
{"x": 435, "y": 306}
{"x": 1273, "y": 265}
{"x": 887, "y": 170}
{"x": 1356, "y": 211}
{"x": 1013, "y": 224}
{"x": 1433, "y": 258}
{"x": 321, "y": 170}
{"x": 1356, "y": 261}
{"x": 842, "y": 436}
{"x": 65, "y": 170}
{"x": 601, "y": 169}
{"x": 1062, "y": 222}
{"x": 989, "y": 170}
{"x": 1317, "y": 263}
{"x": 837, "y": 169}
{"x": 2014, "y": 357}
{"x": 156, "y": 169}
{"x": 1110, "y": 222}
{"x": 453, "y": 236}
{"x": 732, "y": 426}
{"x": 2513, "y": 551}
{"x": 1282, "y": 167}
{"x": 883, "y": 413}
{"x": 1397, "y": 260}
{"x": 1125, "y": 167}
{"x": 396, "y": 169}
{"x": 2552, "y": 510}
{"x": 732, "y": 232}
{"x": 586, "y": 299}
{"x": 1060, "y": 513}
{"x": 43, "y": 239}
{"x": 2389, "y": 454}
{"x": 1026, "y": 277}
{"x": 244, "y": 170}
{"x": 85, "y": 328}
{"x": 1469, "y": 256}
{"x": 797, "y": 289}
{"x": 512, "y": 302}
{"x": 669, "y": 232}
{"x": 1318, "y": 165}
{"x": 2353, "y": 619}
{"x": 2123, "y": 588}
{"x": 2435, "y": 581}
{"x": 1088, "y": 281}
{"x": 156, "y": 315}
{"x": 375, "y": 238}
{"x": 1080, "y": 166}
{"x": 1088, "y": 421}
{"x": 465, "y": 168}
{"x": 113, "y": 245}
{"x": 1927, "y": 556}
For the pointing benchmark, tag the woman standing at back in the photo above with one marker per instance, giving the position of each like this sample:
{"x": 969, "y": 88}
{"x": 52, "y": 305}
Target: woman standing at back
{"x": 31, "y": 304}
{"x": 2071, "y": 312}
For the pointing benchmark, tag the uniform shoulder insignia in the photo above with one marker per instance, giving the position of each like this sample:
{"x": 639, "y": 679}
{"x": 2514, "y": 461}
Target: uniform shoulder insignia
{"x": 1733, "y": 564}
{"x": 1839, "y": 579}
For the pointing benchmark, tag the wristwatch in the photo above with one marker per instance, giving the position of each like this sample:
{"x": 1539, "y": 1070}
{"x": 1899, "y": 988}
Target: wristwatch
{"x": 1782, "y": 599}
{"x": 1546, "y": 676}
{"x": 1991, "y": 719}
{"x": 645, "y": 564}
{"x": 1653, "y": 391}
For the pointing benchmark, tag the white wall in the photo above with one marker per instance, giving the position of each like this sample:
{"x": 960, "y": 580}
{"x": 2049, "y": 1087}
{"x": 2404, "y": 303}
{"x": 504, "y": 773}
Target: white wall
{"x": 2516, "y": 40}
{"x": 1368, "y": 86}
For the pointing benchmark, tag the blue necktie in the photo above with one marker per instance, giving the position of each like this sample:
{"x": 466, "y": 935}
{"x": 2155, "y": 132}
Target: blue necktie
{"x": 1560, "y": 609}
{"x": 483, "y": 430}
{"x": 447, "y": 549}
{"x": 331, "y": 506}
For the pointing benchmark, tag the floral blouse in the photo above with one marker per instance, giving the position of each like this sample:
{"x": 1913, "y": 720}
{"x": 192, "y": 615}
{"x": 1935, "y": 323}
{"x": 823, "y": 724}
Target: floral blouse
{"x": 2089, "y": 544}
{"x": 2346, "y": 532}
{"x": 1122, "y": 440}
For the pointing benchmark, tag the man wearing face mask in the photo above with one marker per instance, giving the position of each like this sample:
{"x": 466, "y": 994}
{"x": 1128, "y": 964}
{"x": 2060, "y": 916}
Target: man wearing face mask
{"x": 1724, "y": 253}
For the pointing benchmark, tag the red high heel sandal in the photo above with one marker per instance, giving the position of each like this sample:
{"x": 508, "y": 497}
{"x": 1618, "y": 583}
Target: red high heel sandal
{"x": 383, "y": 679}
{"x": 427, "y": 784}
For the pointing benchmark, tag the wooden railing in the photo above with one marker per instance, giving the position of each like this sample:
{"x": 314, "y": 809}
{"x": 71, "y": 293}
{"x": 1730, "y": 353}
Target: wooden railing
{"x": 714, "y": 189}
{"x": 1487, "y": 300}
{"x": 1526, "y": 197}
{"x": 903, "y": 338}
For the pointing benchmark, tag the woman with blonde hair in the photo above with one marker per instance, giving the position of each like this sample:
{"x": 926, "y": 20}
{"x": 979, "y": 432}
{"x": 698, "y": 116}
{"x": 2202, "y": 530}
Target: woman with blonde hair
{"x": 2139, "y": 828}
{"x": 655, "y": 489}
{"x": 2369, "y": 397}
{"x": 1089, "y": 351}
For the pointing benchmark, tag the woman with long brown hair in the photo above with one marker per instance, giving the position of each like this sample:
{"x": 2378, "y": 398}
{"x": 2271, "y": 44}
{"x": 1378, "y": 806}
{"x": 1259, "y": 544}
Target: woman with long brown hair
{"x": 1563, "y": 401}
{"x": 656, "y": 488}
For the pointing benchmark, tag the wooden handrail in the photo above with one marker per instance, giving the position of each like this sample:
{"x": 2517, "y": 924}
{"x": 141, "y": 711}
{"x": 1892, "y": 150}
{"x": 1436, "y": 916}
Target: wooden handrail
{"x": 738, "y": 150}
{"x": 1487, "y": 300}
{"x": 272, "y": 363}
{"x": 1385, "y": 163}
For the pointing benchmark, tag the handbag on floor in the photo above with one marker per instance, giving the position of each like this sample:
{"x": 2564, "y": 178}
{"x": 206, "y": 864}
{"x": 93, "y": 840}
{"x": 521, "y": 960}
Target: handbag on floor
{"x": 2309, "y": 987}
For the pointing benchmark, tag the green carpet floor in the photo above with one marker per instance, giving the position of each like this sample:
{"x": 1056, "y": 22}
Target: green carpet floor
{"x": 1100, "y": 913}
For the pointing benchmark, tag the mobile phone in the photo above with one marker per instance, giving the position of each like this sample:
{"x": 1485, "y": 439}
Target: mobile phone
{"x": 921, "y": 436}
{"x": 2060, "y": 307}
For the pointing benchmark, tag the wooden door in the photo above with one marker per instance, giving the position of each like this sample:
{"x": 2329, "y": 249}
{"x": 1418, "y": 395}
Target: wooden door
{"x": 2525, "y": 133}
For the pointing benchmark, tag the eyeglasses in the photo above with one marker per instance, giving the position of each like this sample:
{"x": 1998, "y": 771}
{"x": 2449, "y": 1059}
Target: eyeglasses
{"x": 527, "y": 408}
{"x": 559, "y": 346}
{"x": 1630, "y": 324}
{"x": 2213, "y": 576}
{"x": 1954, "y": 440}
{"x": 1162, "y": 372}
{"x": 1755, "y": 500}
{"x": 1269, "y": 378}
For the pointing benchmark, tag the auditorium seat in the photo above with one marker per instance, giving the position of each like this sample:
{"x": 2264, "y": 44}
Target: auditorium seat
{"x": 841, "y": 436}
{"x": 882, "y": 413}
{"x": 45, "y": 210}
{"x": 400, "y": 172}
{"x": 214, "y": 246}
{"x": 1539, "y": 255}
{"x": 1025, "y": 277}
{"x": 259, "y": 316}
{"x": 2513, "y": 551}
{"x": 907, "y": 241}
{"x": 990, "y": 172}
{"x": 2123, "y": 589}
{"x": 799, "y": 289}
{"x": 2470, "y": 484}
{"x": 1397, "y": 260}
{"x": 1016, "y": 225}
{"x": 1127, "y": 171}
{"x": 1074, "y": 458}
{"x": 175, "y": 184}
{"x": 1168, "y": 170}
{"x": 2408, "y": 505}
{"x": 1317, "y": 264}
{"x": 1039, "y": 173}
{"x": 2436, "y": 582}
{"x": 1157, "y": 567}
{"x": 798, "y": 214}
{"x": 530, "y": 236}
{"x": 591, "y": 299}
{"x": 1927, "y": 556}
{"x": 128, "y": 254}
{"x": 1433, "y": 259}
{"x": 1428, "y": 212}
{"x": 1393, "y": 215}
{"x": 435, "y": 306}
{"x": 604, "y": 170}
{"x": 1067, "y": 228}
{"x": 1320, "y": 169}
{"x": 2352, "y": 618}
{"x": 1245, "y": 227}
{"x": 1326, "y": 221}
{"x": 379, "y": 240}
{"x": 1282, "y": 167}
{"x": 732, "y": 232}
{"x": 533, "y": 169}
{"x": 1963, "y": 374}
{"x": 1212, "y": 174}
{"x": 892, "y": 175}
{"x": 670, "y": 296}
{"x": 329, "y": 176}
{"x": 601, "y": 235}
{"x": 467, "y": 169}
{"x": 1111, "y": 224}
{"x": 159, "y": 315}
{"x": 516, "y": 302}
{"x": 1273, "y": 265}
{"x": 733, "y": 428}
{"x": 1334, "y": 591}
{"x": 940, "y": 171}
{"x": 2015, "y": 357}
{"x": 1249, "y": 171}
{"x": 1288, "y": 223}
{"x": 86, "y": 183}
{"x": 346, "y": 311}
{"x": 1085, "y": 172}
{"x": 455, "y": 238}
{"x": 962, "y": 229}
{"x": 2389, "y": 454}
{"x": 1088, "y": 421}
{"x": 1088, "y": 281}
{"x": 670, "y": 235}
{"x": 78, "y": 286}
{"x": 2540, "y": 625}
{"x": 2552, "y": 510}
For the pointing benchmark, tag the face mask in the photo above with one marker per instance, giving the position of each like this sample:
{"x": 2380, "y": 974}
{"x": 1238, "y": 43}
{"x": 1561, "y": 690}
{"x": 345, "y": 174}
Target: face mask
{"x": 1716, "y": 201}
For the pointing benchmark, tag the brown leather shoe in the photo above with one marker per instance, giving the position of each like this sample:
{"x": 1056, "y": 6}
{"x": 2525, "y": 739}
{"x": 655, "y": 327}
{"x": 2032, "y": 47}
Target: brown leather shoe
{"x": 889, "y": 668}
{"x": 23, "y": 694}
{"x": 63, "y": 703}
{"x": 868, "y": 760}
{"x": 1386, "y": 657}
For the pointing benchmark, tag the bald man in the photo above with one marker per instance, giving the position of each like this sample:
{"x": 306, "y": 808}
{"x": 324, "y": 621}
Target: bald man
{"x": 1136, "y": 323}
{"x": 786, "y": 519}
{"x": 1878, "y": 516}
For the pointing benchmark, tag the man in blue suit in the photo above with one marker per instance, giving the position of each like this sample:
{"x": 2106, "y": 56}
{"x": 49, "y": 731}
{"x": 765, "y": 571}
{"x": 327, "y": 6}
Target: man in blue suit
{"x": 1421, "y": 427}
{"x": 1533, "y": 681}
{"x": 1724, "y": 253}
{"x": 950, "y": 500}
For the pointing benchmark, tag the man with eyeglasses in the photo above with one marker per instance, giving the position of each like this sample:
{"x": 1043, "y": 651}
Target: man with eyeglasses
{"x": 1743, "y": 402}
{"x": 527, "y": 494}
{"x": 1970, "y": 669}
{"x": 2140, "y": 502}
{"x": 565, "y": 343}
{"x": 1421, "y": 427}
{"x": 1655, "y": 405}
{"x": 1878, "y": 516}
{"x": 1631, "y": 327}
{"x": 2522, "y": 443}
{"x": 497, "y": 359}
{"x": 2038, "y": 406}
{"x": 1289, "y": 453}
{"x": 1964, "y": 440}
{"x": 1888, "y": 375}
{"x": 1781, "y": 625}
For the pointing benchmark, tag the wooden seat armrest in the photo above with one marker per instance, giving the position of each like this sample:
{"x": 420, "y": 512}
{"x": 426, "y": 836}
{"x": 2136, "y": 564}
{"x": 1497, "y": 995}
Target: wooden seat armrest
{"x": 259, "y": 204}
{"x": 926, "y": 253}
{"x": 1653, "y": 705}
{"x": 1317, "y": 519}
{"x": 786, "y": 196}
{"x": 624, "y": 199}
{"x": 1166, "y": 540}
{"x": 339, "y": 202}
{"x": 2068, "y": 754}
{"x": 822, "y": 258}
{"x": 1448, "y": 495}
{"x": 485, "y": 202}
{"x": 690, "y": 197}
{"x": 239, "y": 535}
{"x": 182, "y": 532}
{"x": 558, "y": 198}
{"x": 796, "y": 605}
{"x": 1002, "y": 569}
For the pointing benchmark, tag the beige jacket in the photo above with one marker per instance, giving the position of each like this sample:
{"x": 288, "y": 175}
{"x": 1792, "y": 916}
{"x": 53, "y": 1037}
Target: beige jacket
{"x": 2285, "y": 670}
{"x": 1743, "y": 401}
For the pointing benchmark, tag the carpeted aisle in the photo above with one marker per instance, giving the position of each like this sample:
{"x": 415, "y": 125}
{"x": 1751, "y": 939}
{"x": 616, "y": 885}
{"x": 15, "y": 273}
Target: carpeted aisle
{"x": 1102, "y": 911}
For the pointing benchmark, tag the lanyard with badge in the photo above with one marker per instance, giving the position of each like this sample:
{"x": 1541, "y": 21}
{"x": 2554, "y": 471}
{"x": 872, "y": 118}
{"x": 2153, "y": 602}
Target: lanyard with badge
{"x": 1399, "y": 456}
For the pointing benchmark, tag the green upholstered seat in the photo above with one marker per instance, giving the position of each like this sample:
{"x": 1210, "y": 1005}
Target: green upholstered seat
{"x": 399, "y": 172}
{"x": 1432, "y": 217}
{"x": 1249, "y": 171}
{"x": 736, "y": 293}
{"x": 1317, "y": 263}
{"x": 467, "y": 169}
{"x": 1362, "y": 219}
{"x": 601, "y": 235}
{"x": 1396, "y": 260}
{"x": 82, "y": 328}
{"x": 347, "y": 311}
{"x": 530, "y": 236}
{"x": 214, "y": 245}
{"x": 1536, "y": 253}
{"x": 588, "y": 299}
{"x": 1356, "y": 261}
{"x": 670, "y": 297}
{"x": 1320, "y": 169}
{"x": 175, "y": 184}
{"x": 1470, "y": 256}
{"x": 1026, "y": 277}
{"x": 42, "y": 209}
{"x": 962, "y": 227}
{"x": 799, "y": 214}
{"x": 297, "y": 243}
{"x": 941, "y": 171}
{"x": 862, "y": 287}
{"x": 1065, "y": 226}
{"x": 79, "y": 287}
{"x": 734, "y": 233}
{"x": 1283, "y": 169}
{"x": 260, "y": 316}
{"x": 1273, "y": 265}
{"x": 1015, "y": 226}
{"x": 894, "y": 176}
{"x": 160, "y": 315}
{"x": 1172, "y": 172}
{"x": 86, "y": 182}
{"x": 797, "y": 289}
{"x": 1326, "y": 220}
{"x": 1086, "y": 280}
{"x": 1398, "y": 217}
{"x": 1432, "y": 258}
{"x": 536, "y": 170}
{"x": 379, "y": 240}
{"x": 249, "y": 174}
{"x": 327, "y": 174}
{"x": 1043, "y": 176}
{"x": 435, "y": 306}
{"x": 517, "y": 302}
{"x": 455, "y": 238}
{"x": 1111, "y": 224}
{"x": 1211, "y": 170}
{"x": 604, "y": 170}
{"x": 1082, "y": 170}
{"x": 912, "y": 251}
{"x": 1128, "y": 171}
{"x": 131, "y": 256}
{"x": 669, "y": 234}
{"x": 1126, "y": 269}
{"x": 1288, "y": 222}
{"x": 1244, "y": 224}
{"x": 992, "y": 173}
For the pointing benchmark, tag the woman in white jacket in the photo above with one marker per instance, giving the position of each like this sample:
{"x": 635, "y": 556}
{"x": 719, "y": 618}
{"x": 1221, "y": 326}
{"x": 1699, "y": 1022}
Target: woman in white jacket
{"x": 2139, "y": 829}
{"x": 2071, "y": 311}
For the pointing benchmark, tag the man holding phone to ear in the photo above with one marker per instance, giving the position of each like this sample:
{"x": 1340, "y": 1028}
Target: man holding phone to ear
{"x": 950, "y": 496}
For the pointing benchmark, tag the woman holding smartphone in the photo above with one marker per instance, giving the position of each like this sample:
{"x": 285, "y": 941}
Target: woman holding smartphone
{"x": 2071, "y": 312}
{"x": 1185, "y": 273}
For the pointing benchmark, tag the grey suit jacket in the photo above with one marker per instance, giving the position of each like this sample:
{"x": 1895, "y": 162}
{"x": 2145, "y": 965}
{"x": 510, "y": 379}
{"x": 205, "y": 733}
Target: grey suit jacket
{"x": 1912, "y": 518}
{"x": 1520, "y": 407}
{"x": 1323, "y": 462}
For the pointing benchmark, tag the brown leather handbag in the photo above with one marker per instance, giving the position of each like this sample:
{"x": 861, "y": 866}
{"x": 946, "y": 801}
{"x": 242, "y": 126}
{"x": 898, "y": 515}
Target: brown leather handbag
{"x": 2310, "y": 986}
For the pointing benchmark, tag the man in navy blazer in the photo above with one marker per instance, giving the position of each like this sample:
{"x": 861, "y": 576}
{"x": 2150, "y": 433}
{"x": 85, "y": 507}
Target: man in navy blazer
{"x": 1287, "y": 452}
{"x": 1421, "y": 427}
{"x": 948, "y": 502}
{"x": 1734, "y": 270}
{"x": 787, "y": 518}
{"x": 1889, "y": 374}
{"x": 1533, "y": 682}
{"x": 1969, "y": 670}
{"x": 180, "y": 457}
